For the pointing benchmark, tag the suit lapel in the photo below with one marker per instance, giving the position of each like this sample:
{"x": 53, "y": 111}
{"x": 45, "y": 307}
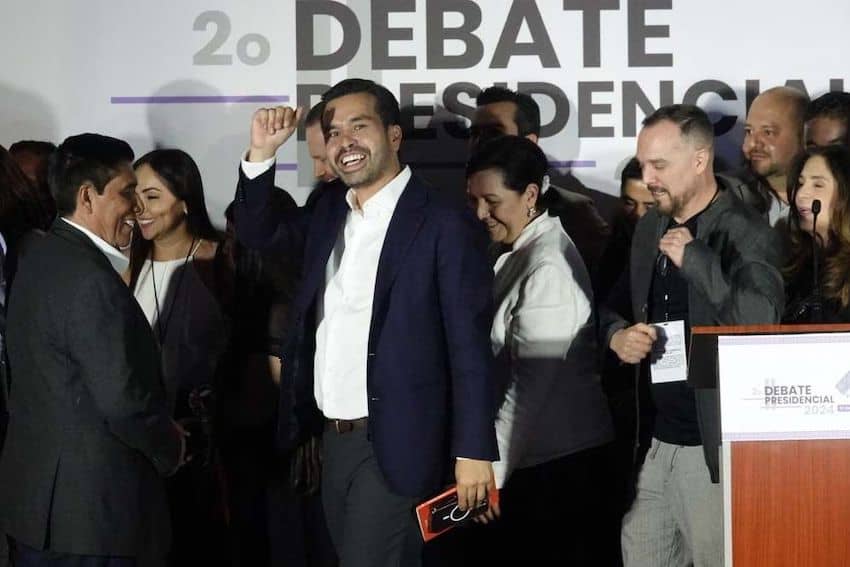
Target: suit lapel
{"x": 407, "y": 219}
{"x": 323, "y": 235}
{"x": 63, "y": 230}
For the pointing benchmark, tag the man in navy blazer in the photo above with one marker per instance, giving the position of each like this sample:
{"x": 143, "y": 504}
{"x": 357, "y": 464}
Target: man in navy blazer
{"x": 390, "y": 328}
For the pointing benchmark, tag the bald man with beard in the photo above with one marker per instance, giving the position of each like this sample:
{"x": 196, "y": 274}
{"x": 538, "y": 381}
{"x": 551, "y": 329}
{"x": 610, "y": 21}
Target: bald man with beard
{"x": 773, "y": 136}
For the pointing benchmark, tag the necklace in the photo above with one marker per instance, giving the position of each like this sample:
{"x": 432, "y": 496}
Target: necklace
{"x": 162, "y": 327}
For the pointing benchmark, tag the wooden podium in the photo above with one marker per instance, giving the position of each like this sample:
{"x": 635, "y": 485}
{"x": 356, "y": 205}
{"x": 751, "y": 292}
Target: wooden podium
{"x": 785, "y": 467}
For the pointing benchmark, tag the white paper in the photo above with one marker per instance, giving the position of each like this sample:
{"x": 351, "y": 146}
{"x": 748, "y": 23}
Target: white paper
{"x": 669, "y": 361}
{"x": 785, "y": 386}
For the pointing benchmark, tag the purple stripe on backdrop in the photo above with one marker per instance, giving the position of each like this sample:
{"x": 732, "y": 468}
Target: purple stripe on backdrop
{"x": 574, "y": 163}
{"x": 286, "y": 166}
{"x": 462, "y": 164}
{"x": 196, "y": 99}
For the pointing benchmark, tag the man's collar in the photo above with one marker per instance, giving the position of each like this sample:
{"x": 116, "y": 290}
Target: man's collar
{"x": 385, "y": 199}
{"x": 119, "y": 262}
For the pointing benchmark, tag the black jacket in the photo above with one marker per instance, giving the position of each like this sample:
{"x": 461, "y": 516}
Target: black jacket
{"x": 732, "y": 270}
{"x": 89, "y": 434}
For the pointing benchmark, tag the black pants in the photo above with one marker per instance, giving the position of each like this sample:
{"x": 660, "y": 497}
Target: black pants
{"x": 562, "y": 512}
{"x": 369, "y": 524}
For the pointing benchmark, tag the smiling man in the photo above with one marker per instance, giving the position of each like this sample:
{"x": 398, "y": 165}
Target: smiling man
{"x": 698, "y": 258}
{"x": 389, "y": 349}
{"x": 90, "y": 433}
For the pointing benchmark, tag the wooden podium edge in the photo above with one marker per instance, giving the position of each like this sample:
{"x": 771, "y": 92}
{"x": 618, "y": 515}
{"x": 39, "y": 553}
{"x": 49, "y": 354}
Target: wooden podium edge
{"x": 769, "y": 329}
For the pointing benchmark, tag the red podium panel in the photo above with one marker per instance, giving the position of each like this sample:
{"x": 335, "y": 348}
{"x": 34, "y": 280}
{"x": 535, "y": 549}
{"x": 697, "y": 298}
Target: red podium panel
{"x": 791, "y": 503}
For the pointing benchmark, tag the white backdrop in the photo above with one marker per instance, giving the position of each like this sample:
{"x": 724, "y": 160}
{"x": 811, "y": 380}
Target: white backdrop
{"x": 176, "y": 73}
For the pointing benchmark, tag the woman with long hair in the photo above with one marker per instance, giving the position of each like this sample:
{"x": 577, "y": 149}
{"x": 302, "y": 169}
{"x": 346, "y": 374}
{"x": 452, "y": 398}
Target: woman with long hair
{"x": 820, "y": 174}
{"x": 180, "y": 281}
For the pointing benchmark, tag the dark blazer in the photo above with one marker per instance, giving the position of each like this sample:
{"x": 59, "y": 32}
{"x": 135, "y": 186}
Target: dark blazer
{"x": 89, "y": 434}
{"x": 429, "y": 382}
{"x": 732, "y": 270}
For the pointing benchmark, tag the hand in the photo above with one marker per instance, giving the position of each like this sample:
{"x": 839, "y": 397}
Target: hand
{"x": 492, "y": 512}
{"x": 632, "y": 344}
{"x": 473, "y": 477}
{"x": 270, "y": 128}
{"x": 673, "y": 244}
{"x": 306, "y": 467}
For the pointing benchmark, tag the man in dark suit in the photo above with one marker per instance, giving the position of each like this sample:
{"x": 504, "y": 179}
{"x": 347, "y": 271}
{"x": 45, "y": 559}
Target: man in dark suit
{"x": 89, "y": 432}
{"x": 390, "y": 328}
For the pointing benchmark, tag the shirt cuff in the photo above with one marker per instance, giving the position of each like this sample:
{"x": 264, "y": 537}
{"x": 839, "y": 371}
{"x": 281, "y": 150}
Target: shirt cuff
{"x": 254, "y": 169}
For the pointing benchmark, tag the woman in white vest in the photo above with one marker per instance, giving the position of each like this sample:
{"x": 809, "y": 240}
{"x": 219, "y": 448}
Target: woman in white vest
{"x": 553, "y": 425}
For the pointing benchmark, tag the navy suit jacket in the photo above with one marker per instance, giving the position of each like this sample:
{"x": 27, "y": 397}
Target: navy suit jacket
{"x": 429, "y": 367}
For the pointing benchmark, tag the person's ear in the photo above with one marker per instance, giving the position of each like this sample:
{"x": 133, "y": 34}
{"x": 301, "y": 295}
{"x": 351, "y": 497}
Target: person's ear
{"x": 85, "y": 197}
{"x": 395, "y": 135}
{"x": 702, "y": 160}
{"x": 531, "y": 195}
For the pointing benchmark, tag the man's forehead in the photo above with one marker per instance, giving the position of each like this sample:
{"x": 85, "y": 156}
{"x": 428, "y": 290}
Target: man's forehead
{"x": 502, "y": 111}
{"x": 124, "y": 176}
{"x": 350, "y": 106}
{"x": 772, "y": 110}
{"x": 662, "y": 135}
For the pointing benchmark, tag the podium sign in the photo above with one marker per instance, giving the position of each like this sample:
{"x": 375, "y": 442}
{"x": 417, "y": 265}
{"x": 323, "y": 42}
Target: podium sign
{"x": 784, "y": 387}
{"x": 785, "y": 417}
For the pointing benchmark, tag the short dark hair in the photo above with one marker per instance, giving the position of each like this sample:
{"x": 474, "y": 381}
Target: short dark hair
{"x": 527, "y": 116}
{"x": 630, "y": 171}
{"x": 518, "y": 159}
{"x": 834, "y": 104}
{"x": 91, "y": 158}
{"x": 314, "y": 115}
{"x": 386, "y": 103}
{"x": 692, "y": 121}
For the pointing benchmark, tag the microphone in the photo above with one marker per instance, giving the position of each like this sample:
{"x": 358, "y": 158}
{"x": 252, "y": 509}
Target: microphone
{"x": 816, "y": 311}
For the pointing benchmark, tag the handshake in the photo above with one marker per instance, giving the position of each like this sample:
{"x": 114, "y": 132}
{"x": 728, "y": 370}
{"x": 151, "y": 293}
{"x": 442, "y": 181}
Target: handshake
{"x": 197, "y": 430}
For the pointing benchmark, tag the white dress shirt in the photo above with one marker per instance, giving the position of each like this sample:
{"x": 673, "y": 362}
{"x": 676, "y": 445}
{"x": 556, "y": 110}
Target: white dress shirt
{"x": 119, "y": 261}
{"x": 344, "y": 313}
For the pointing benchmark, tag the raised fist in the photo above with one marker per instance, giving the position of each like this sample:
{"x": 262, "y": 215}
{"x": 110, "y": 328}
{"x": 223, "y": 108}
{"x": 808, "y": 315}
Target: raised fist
{"x": 270, "y": 128}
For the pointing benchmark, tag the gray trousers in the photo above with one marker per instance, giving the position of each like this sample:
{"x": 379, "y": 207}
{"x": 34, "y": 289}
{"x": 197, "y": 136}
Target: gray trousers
{"x": 369, "y": 524}
{"x": 677, "y": 516}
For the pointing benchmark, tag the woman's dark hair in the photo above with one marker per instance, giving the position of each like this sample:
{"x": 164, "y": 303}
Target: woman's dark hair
{"x": 836, "y": 273}
{"x": 518, "y": 159}
{"x": 22, "y": 208}
{"x": 181, "y": 176}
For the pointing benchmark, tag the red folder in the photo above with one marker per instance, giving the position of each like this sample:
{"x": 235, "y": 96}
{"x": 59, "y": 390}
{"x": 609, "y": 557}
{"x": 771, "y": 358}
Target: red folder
{"x": 440, "y": 514}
